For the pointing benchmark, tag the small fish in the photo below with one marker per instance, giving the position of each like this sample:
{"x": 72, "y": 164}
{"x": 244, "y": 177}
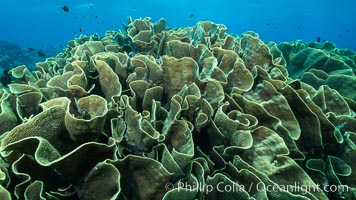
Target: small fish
{"x": 318, "y": 39}
{"x": 83, "y": 114}
{"x": 191, "y": 16}
{"x": 6, "y": 78}
{"x": 65, "y": 8}
{"x": 97, "y": 16}
{"x": 30, "y": 49}
{"x": 80, "y": 29}
{"x": 41, "y": 54}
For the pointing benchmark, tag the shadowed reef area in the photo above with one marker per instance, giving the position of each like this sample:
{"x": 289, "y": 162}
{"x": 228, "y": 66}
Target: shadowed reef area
{"x": 187, "y": 113}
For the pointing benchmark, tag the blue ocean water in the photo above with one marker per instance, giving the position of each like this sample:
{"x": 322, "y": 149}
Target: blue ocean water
{"x": 43, "y": 24}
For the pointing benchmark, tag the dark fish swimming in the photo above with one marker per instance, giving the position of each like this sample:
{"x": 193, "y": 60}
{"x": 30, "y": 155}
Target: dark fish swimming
{"x": 41, "y": 54}
{"x": 65, "y": 8}
{"x": 6, "y": 78}
{"x": 191, "y": 16}
{"x": 318, "y": 39}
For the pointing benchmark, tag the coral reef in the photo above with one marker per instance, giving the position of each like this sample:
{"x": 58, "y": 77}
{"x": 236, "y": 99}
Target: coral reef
{"x": 12, "y": 55}
{"x": 188, "y": 113}
{"x": 320, "y": 64}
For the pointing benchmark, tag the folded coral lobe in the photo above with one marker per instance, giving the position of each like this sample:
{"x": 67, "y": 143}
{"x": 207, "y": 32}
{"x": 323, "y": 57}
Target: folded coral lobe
{"x": 48, "y": 124}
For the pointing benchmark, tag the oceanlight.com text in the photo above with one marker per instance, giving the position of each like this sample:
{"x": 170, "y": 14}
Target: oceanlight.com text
{"x": 260, "y": 187}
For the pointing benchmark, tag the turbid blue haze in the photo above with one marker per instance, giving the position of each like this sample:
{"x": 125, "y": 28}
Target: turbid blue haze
{"x": 43, "y": 24}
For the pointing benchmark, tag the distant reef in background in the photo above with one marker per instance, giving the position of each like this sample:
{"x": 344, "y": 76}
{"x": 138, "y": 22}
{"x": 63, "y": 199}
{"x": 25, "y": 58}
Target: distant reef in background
{"x": 13, "y": 55}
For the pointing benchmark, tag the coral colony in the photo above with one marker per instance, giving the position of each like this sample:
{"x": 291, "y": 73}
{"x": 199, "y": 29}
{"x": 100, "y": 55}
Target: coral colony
{"x": 188, "y": 113}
